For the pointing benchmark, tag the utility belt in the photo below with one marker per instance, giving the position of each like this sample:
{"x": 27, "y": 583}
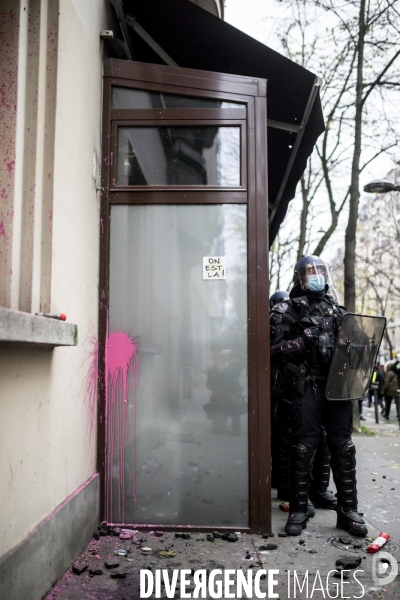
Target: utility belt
{"x": 316, "y": 374}
{"x": 294, "y": 378}
{"x": 315, "y": 378}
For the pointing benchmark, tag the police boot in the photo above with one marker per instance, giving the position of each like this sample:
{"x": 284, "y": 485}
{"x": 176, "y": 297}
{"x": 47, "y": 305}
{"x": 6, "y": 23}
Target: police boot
{"x": 344, "y": 474}
{"x": 310, "y": 509}
{"x": 302, "y": 455}
{"x": 319, "y": 493}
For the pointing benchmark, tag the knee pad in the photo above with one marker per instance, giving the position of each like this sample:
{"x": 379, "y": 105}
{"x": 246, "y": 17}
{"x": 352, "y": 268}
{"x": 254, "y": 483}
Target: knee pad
{"x": 347, "y": 449}
{"x": 343, "y": 448}
{"x": 303, "y": 451}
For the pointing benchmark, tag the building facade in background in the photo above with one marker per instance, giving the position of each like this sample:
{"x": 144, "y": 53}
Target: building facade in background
{"x": 378, "y": 263}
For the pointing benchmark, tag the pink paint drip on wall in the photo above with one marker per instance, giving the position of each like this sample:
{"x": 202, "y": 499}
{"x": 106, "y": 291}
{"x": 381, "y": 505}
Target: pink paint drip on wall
{"x": 121, "y": 363}
{"x": 91, "y": 382}
{"x": 2, "y": 230}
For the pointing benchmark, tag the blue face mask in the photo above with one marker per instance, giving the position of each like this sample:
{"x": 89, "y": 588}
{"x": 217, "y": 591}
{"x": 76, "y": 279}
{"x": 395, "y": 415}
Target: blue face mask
{"x": 315, "y": 283}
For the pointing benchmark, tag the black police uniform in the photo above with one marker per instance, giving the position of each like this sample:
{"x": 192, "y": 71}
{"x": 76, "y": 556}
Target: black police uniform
{"x": 303, "y": 335}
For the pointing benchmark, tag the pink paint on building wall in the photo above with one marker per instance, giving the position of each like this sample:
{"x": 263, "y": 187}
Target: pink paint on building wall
{"x": 91, "y": 382}
{"x": 10, "y": 166}
{"x": 121, "y": 380}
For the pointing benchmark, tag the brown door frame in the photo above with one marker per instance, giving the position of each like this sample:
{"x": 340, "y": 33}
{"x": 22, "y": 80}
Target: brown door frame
{"x": 251, "y": 92}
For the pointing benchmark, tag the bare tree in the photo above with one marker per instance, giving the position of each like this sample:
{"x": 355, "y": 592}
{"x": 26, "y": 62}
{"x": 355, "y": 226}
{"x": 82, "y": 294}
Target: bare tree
{"x": 372, "y": 17}
{"x": 357, "y": 57}
{"x": 281, "y": 258}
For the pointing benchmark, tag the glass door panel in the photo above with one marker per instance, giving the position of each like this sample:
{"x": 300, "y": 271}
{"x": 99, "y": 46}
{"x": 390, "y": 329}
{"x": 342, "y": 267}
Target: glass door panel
{"x": 178, "y": 289}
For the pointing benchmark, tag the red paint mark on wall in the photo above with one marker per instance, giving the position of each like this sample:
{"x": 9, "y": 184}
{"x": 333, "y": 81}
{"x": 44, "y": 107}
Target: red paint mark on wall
{"x": 121, "y": 365}
{"x": 2, "y": 230}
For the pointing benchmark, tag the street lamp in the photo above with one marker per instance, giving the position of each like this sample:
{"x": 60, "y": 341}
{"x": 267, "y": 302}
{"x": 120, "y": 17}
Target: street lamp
{"x": 381, "y": 186}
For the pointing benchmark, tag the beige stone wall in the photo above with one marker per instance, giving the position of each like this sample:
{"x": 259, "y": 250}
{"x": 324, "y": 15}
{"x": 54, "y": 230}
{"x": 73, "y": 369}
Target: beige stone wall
{"x": 47, "y": 422}
{"x": 9, "y": 42}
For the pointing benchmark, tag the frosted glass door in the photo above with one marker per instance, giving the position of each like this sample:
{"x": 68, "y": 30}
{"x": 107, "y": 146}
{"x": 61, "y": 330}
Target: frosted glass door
{"x": 182, "y": 433}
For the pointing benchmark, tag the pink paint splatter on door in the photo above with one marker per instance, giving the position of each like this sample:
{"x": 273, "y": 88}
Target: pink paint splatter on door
{"x": 121, "y": 364}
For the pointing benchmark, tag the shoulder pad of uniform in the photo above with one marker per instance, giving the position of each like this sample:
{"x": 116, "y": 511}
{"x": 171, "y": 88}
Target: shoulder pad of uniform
{"x": 281, "y": 307}
{"x": 300, "y": 300}
{"x": 275, "y": 317}
{"x": 341, "y": 308}
{"x": 335, "y": 303}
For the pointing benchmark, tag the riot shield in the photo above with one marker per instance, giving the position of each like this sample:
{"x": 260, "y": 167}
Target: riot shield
{"x": 354, "y": 356}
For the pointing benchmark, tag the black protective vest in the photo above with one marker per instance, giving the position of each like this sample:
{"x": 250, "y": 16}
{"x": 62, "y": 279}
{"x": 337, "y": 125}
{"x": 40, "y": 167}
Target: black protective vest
{"x": 292, "y": 363}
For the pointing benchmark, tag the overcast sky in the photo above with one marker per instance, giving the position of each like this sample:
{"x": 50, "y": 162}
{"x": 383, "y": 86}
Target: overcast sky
{"x": 251, "y": 16}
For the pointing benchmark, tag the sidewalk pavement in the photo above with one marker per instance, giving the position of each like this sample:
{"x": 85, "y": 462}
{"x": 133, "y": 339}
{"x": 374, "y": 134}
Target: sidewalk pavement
{"x": 315, "y": 551}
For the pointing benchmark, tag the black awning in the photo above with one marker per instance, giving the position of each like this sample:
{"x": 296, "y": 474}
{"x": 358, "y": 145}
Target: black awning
{"x": 196, "y": 39}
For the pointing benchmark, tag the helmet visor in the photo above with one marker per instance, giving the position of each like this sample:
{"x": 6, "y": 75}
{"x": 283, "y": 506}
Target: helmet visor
{"x": 314, "y": 276}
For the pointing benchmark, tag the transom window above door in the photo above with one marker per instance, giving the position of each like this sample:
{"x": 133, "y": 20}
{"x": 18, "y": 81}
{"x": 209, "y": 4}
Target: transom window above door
{"x": 127, "y": 98}
{"x": 179, "y": 155}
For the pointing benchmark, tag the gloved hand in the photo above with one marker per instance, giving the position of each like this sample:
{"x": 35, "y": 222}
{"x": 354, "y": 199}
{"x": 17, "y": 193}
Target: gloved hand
{"x": 310, "y": 335}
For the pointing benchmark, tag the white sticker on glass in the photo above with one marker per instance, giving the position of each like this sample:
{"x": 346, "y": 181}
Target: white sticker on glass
{"x": 214, "y": 267}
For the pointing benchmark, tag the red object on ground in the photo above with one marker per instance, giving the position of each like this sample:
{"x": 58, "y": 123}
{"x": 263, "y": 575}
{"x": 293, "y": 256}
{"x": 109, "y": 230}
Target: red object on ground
{"x": 284, "y": 506}
{"x": 378, "y": 543}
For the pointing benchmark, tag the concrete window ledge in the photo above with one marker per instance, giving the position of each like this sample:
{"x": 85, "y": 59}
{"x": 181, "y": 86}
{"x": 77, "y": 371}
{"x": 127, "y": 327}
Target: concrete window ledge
{"x": 23, "y": 329}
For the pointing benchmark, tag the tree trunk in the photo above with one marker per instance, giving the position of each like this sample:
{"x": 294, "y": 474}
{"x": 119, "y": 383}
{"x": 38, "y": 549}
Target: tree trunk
{"x": 350, "y": 238}
{"x": 304, "y": 217}
{"x": 387, "y": 337}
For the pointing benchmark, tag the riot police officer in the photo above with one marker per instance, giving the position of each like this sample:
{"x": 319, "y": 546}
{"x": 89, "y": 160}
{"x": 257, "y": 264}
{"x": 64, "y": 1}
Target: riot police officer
{"x": 281, "y": 448}
{"x": 303, "y": 335}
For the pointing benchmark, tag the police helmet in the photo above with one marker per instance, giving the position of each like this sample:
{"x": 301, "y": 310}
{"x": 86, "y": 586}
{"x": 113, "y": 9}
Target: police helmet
{"x": 311, "y": 272}
{"x": 279, "y": 296}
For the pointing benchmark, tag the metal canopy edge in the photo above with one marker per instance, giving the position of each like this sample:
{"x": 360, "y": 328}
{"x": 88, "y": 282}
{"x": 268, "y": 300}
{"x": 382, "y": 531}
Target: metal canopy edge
{"x": 301, "y": 129}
